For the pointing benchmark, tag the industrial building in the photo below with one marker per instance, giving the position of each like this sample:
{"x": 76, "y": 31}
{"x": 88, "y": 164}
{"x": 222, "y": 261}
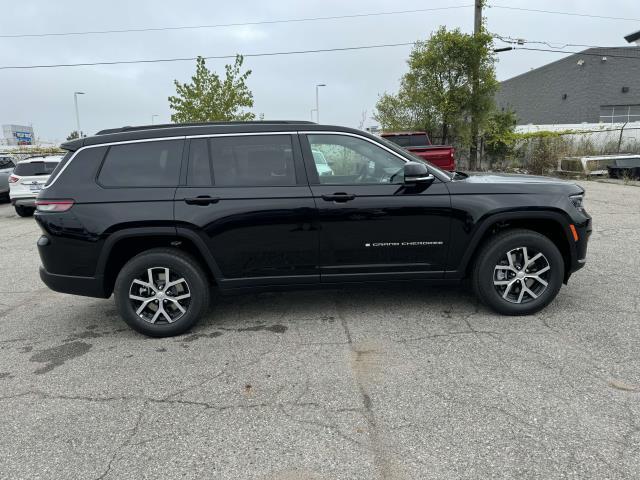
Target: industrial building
{"x": 595, "y": 85}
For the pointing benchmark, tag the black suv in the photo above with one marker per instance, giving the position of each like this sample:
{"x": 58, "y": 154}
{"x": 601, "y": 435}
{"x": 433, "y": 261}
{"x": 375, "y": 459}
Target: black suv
{"x": 159, "y": 215}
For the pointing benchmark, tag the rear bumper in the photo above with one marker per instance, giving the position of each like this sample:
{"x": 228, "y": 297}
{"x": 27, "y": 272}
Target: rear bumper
{"x": 24, "y": 201}
{"x": 85, "y": 286}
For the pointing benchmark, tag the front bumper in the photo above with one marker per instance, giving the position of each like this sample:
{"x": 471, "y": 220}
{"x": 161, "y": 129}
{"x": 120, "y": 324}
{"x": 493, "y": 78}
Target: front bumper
{"x": 584, "y": 231}
{"x": 85, "y": 286}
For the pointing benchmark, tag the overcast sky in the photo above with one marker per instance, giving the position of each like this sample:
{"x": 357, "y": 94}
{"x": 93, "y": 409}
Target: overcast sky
{"x": 283, "y": 86}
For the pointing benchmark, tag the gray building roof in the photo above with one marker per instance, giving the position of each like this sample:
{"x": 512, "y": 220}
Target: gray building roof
{"x": 579, "y": 88}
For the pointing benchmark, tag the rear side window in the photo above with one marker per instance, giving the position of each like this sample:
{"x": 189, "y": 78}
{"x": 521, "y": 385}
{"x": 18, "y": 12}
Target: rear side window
{"x": 144, "y": 164}
{"x": 34, "y": 169}
{"x": 252, "y": 160}
{"x": 417, "y": 140}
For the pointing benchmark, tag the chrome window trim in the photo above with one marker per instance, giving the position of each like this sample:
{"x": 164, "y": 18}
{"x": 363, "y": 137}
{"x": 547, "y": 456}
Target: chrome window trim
{"x": 235, "y": 134}
{"x": 108, "y": 144}
{"x": 349, "y": 134}
{"x": 239, "y": 134}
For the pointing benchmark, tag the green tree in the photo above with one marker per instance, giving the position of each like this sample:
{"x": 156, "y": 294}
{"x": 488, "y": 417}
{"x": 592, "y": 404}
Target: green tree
{"x": 210, "y": 98}
{"x": 499, "y": 135}
{"x": 437, "y": 91}
{"x": 73, "y": 135}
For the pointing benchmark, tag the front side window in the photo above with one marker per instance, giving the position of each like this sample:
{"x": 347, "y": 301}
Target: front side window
{"x": 252, "y": 160}
{"x": 143, "y": 164}
{"x": 346, "y": 160}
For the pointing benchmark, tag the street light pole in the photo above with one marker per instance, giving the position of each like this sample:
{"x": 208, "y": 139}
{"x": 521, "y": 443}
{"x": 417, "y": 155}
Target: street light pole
{"x": 75, "y": 100}
{"x": 152, "y": 117}
{"x": 317, "y": 102}
{"x": 312, "y": 110}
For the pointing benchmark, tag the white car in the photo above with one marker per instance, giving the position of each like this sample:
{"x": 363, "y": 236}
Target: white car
{"x": 321, "y": 163}
{"x": 27, "y": 180}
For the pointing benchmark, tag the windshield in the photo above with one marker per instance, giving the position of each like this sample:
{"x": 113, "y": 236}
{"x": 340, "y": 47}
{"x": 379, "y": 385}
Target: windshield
{"x": 409, "y": 140}
{"x": 414, "y": 158}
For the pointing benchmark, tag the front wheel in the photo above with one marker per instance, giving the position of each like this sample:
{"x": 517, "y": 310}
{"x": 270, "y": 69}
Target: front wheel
{"x": 162, "y": 292}
{"x": 518, "y": 272}
{"x": 23, "y": 211}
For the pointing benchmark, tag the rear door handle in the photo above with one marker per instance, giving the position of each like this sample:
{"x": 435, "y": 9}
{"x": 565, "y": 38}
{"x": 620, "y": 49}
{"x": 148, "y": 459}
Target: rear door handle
{"x": 201, "y": 200}
{"x": 338, "y": 197}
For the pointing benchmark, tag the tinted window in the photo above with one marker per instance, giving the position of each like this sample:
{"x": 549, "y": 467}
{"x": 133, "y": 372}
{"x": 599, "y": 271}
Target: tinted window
{"x": 59, "y": 167}
{"x": 145, "y": 164}
{"x": 352, "y": 160}
{"x": 199, "y": 169}
{"x": 29, "y": 169}
{"x": 252, "y": 160}
{"x": 418, "y": 140}
{"x": 6, "y": 162}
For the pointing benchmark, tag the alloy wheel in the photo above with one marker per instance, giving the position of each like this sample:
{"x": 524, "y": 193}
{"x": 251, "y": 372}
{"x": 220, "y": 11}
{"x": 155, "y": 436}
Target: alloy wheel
{"x": 521, "y": 275}
{"x": 160, "y": 295}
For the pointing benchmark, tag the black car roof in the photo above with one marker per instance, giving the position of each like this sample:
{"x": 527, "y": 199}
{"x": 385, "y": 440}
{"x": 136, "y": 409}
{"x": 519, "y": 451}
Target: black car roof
{"x": 124, "y": 134}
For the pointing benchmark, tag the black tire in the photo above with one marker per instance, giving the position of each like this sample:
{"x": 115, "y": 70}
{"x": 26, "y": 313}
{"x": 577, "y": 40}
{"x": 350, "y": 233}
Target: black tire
{"x": 495, "y": 250}
{"x": 23, "y": 211}
{"x": 180, "y": 264}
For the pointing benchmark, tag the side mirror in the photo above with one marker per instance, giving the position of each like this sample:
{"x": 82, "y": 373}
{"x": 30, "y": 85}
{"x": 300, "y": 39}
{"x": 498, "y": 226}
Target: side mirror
{"x": 417, "y": 173}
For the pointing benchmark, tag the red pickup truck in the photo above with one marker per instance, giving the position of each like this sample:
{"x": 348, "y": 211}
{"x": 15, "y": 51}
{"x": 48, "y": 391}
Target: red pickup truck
{"x": 419, "y": 144}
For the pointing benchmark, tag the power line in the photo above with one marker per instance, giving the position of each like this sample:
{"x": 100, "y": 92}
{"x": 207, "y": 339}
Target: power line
{"x": 573, "y": 14}
{"x": 217, "y": 57}
{"x": 239, "y": 24}
{"x": 588, "y": 54}
{"x": 555, "y": 45}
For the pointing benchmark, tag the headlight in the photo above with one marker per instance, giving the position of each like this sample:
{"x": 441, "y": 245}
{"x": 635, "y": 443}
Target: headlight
{"x": 578, "y": 201}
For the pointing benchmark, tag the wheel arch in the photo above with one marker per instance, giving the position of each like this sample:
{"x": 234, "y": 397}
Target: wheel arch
{"x": 552, "y": 224}
{"x": 123, "y": 245}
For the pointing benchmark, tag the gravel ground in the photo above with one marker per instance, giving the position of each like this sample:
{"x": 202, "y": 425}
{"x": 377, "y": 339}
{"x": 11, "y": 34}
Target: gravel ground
{"x": 392, "y": 383}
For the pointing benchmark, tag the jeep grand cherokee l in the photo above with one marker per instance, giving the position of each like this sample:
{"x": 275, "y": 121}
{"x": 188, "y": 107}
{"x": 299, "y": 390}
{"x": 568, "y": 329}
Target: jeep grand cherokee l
{"x": 159, "y": 215}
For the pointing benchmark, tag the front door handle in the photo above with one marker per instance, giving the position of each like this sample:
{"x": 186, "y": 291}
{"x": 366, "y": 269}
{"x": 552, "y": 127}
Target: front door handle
{"x": 201, "y": 200}
{"x": 338, "y": 197}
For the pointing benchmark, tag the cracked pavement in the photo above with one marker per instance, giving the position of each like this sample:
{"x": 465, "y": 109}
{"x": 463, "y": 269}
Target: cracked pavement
{"x": 389, "y": 382}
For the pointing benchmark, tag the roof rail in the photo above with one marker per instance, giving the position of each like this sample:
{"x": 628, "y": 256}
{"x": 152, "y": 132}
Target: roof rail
{"x": 199, "y": 124}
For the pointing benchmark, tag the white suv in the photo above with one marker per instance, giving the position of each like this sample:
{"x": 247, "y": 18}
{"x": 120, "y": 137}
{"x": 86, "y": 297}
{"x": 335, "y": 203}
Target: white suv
{"x": 27, "y": 180}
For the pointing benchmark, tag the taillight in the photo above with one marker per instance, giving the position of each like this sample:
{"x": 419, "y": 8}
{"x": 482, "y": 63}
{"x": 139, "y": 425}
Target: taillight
{"x": 13, "y": 179}
{"x": 53, "y": 205}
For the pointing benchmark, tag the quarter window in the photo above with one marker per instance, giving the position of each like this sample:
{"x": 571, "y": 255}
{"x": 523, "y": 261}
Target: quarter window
{"x": 347, "y": 160}
{"x": 144, "y": 164}
{"x": 252, "y": 160}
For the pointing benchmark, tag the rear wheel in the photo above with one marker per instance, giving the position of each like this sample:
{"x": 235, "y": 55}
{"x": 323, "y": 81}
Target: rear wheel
{"x": 23, "y": 211}
{"x": 162, "y": 292}
{"x": 518, "y": 272}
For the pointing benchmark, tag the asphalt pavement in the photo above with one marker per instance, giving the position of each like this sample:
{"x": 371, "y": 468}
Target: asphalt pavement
{"x": 391, "y": 382}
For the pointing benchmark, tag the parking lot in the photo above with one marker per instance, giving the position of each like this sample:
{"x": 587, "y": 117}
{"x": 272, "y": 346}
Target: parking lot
{"x": 387, "y": 382}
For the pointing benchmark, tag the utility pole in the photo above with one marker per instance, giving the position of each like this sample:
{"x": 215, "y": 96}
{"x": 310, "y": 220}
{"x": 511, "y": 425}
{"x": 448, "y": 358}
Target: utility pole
{"x": 75, "y": 101}
{"x": 317, "y": 102}
{"x": 475, "y": 86}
